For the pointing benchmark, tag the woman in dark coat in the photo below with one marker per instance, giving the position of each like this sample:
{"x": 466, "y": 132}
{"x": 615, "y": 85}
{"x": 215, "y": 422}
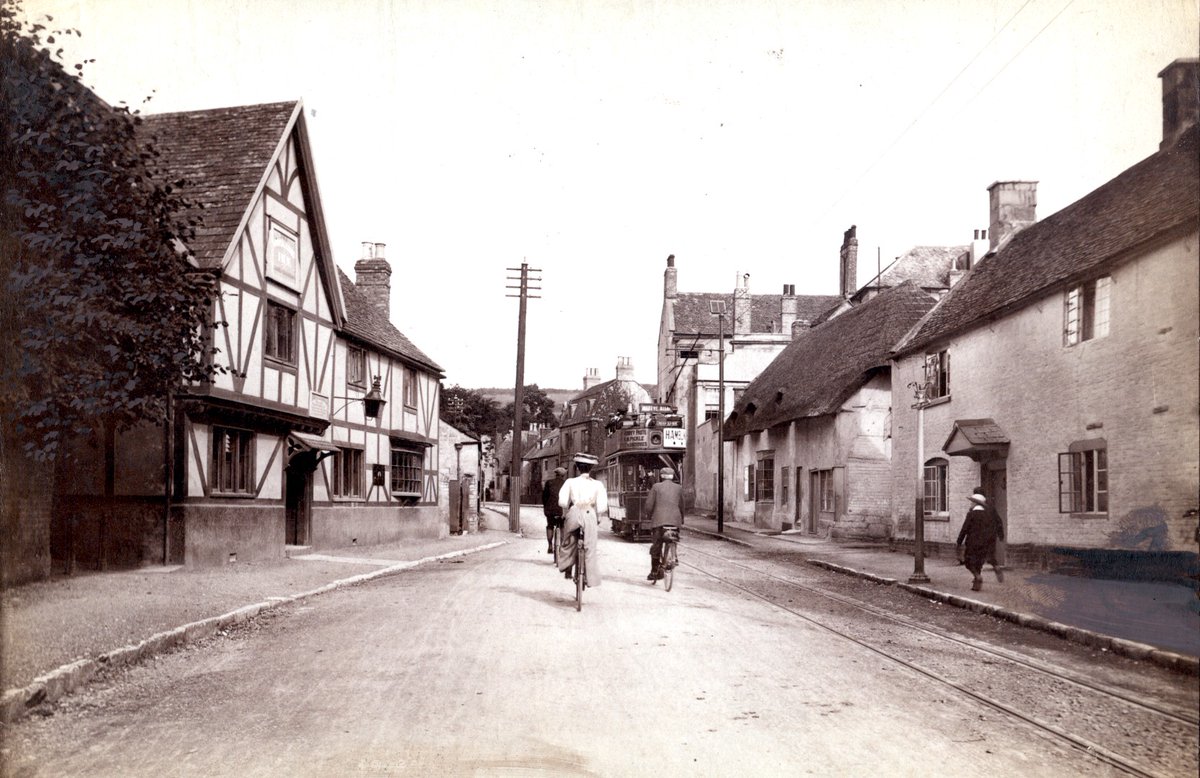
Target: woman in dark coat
{"x": 978, "y": 538}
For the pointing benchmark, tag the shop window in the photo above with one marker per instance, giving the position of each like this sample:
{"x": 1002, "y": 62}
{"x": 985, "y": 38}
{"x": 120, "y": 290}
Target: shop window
{"x": 406, "y": 472}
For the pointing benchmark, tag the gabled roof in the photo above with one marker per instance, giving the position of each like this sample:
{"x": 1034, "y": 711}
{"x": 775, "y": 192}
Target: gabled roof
{"x": 927, "y": 266}
{"x": 224, "y": 156}
{"x": 365, "y": 322}
{"x": 1157, "y": 197}
{"x": 581, "y": 405}
{"x": 821, "y": 368}
{"x": 693, "y": 315}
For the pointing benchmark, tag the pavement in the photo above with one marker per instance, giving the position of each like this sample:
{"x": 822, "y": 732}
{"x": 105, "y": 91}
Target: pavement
{"x": 1153, "y": 621}
{"x": 55, "y": 636}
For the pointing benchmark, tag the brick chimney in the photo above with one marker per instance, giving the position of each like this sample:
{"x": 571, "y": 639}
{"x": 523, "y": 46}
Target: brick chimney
{"x": 591, "y": 378}
{"x": 670, "y": 279}
{"x": 1180, "y": 98}
{"x": 789, "y": 308}
{"x": 1012, "y": 208}
{"x": 741, "y": 306}
{"x": 849, "y": 262}
{"x": 625, "y": 368}
{"x": 372, "y": 276}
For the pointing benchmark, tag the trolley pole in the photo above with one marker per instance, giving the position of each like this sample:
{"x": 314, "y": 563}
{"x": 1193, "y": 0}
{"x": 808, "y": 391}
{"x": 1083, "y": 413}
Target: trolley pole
{"x": 514, "y": 470}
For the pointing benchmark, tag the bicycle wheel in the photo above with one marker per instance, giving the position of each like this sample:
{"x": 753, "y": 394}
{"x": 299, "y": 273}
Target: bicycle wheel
{"x": 668, "y": 569}
{"x": 579, "y": 574}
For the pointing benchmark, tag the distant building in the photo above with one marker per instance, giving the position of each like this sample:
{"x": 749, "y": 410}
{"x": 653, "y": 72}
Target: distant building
{"x": 811, "y": 435}
{"x": 752, "y": 331}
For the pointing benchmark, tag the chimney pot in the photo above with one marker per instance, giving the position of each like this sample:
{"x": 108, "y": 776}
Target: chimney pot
{"x": 670, "y": 279}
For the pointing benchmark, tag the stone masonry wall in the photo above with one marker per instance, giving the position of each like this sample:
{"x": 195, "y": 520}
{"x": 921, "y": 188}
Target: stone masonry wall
{"x": 1136, "y": 388}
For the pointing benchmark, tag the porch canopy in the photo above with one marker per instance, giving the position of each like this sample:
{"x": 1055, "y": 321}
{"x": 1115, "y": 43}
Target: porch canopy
{"x": 304, "y": 443}
{"x": 979, "y": 439}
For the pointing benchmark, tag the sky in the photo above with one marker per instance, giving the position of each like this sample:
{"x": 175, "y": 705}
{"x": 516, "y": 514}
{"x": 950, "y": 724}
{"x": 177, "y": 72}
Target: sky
{"x": 591, "y": 139}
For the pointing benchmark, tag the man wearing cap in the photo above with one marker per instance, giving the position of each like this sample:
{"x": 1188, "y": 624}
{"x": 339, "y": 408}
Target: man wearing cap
{"x": 664, "y": 505}
{"x": 584, "y": 499}
{"x": 978, "y": 538}
{"x": 550, "y": 507}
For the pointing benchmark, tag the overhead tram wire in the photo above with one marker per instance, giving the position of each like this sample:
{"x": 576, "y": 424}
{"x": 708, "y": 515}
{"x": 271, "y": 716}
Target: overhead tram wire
{"x": 939, "y": 96}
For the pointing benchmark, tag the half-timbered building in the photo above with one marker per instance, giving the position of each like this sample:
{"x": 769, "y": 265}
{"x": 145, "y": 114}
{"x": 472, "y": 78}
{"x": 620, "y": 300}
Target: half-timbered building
{"x": 321, "y": 426}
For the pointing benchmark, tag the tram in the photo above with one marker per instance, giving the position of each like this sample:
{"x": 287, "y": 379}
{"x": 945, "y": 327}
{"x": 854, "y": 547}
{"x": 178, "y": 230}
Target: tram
{"x": 638, "y": 446}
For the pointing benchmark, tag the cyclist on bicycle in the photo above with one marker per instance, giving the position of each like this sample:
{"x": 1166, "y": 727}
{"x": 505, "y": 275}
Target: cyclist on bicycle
{"x": 584, "y": 499}
{"x": 554, "y": 513}
{"x": 664, "y": 505}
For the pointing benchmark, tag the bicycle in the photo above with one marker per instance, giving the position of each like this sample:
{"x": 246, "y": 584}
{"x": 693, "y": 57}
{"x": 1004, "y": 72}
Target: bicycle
{"x": 580, "y": 568}
{"x": 668, "y": 555}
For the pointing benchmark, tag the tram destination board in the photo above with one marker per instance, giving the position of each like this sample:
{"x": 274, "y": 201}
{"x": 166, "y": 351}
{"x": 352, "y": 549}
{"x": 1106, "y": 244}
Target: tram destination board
{"x": 667, "y": 437}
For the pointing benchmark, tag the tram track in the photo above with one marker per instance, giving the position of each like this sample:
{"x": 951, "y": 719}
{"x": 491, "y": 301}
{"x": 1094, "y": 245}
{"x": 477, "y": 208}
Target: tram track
{"x": 1098, "y": 712}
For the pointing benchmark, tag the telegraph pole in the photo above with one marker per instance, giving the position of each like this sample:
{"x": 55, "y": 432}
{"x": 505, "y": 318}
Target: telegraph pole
{"x": 717, "y": 308}
{"x": 514, "y": 468}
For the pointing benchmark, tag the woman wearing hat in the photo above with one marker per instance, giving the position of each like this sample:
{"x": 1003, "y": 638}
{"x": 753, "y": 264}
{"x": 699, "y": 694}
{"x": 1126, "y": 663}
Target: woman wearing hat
{"x": 977, "y": 538}
{"x": 584, "y": 499}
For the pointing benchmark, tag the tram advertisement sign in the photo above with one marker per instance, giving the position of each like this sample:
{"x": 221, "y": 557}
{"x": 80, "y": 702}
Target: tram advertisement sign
{"x": 655, "y": 408}
{"x": 674, "y": 438}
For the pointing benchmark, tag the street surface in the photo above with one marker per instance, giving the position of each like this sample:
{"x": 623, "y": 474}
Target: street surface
{"x": 482, "y": 666}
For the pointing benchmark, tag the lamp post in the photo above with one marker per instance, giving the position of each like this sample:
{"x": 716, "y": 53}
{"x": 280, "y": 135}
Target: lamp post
{"x": 920, "y": 394}
{"x": 717, "y": 308}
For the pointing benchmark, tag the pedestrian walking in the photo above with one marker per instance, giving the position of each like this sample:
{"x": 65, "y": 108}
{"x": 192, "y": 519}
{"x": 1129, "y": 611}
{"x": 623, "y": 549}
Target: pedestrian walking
{"x": 550, "y": 506}
{"x": 584, "y": 499}
{"x": 664, "y": 505}
{"x": 976, "y": 542}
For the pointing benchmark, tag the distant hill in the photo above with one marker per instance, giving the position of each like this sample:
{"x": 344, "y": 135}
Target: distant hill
{"x": 505, "y": 396}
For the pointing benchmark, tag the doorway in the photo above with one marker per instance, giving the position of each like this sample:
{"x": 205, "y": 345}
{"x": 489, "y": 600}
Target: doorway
{"x": 298, "y": 498}
{"x": 799, "y": 496}
{"x": 995, "y": 487}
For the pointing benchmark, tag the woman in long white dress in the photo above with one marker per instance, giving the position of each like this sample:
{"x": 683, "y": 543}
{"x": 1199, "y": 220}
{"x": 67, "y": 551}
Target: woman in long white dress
{"x": 583, "y": 500}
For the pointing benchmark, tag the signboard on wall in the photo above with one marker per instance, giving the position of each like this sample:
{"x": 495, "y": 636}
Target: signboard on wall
{"x": 318, "y": 406}
{"x": 283, "y": 256}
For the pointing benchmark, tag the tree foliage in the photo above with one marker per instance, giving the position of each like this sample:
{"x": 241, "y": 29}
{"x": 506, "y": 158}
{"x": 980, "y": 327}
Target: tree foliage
{"x": 470, "y": 411}
{"x": 101, "y": 308}
{"x": 536, "y": 408}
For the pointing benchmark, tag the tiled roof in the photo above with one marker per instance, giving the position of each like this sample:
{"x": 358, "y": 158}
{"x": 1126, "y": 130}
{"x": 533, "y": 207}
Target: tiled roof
{"x": 1158, "y": 195}
{"x": 364, "y": 321}
{"x": 927, "y": 266}
{"x": 223, "y": 154}
{"x": 693, "y": 317}
{"x": 815, "y": 374}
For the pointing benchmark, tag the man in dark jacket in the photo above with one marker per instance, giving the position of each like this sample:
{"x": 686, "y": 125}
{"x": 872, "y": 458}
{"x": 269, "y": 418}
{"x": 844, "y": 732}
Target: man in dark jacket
{"x": 554, "y": 514}
{"x": 664, "y": 505}
{"x": 980, "y": 531}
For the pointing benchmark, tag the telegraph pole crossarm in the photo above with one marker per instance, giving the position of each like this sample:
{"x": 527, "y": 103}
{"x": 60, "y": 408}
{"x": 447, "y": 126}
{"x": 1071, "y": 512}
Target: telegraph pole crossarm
{"x": 515, "y": 482}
